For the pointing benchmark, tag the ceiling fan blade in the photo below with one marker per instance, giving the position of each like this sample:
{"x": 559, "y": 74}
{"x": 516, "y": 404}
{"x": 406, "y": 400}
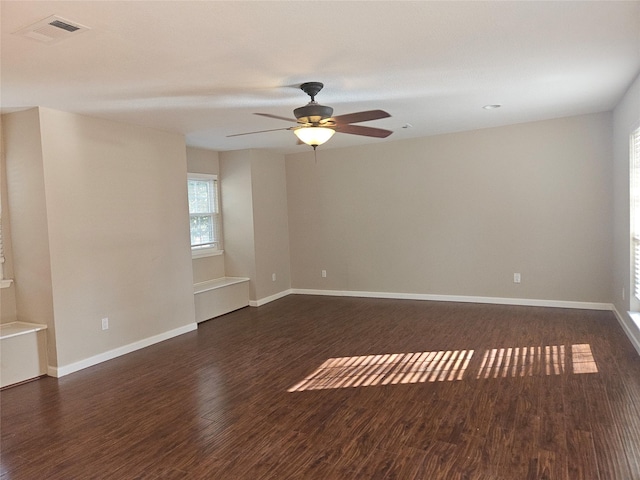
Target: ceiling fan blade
{"x": 268, "y": 115}
{"x": 364, "y": 131}
{"x": 361, "y": 116}
{"x": 260, "y": 131}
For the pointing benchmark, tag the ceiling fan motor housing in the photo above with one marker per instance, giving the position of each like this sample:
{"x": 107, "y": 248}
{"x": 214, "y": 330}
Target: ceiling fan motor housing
{"x": 312, "y": 113}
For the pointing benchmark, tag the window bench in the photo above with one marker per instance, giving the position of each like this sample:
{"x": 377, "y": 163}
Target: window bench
{"x": 219, "y": 296}
{"x": 23, "y": 352}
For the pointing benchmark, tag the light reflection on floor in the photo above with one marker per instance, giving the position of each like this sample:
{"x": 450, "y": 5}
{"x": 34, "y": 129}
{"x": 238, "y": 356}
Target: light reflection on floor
{"x": 387, "y": 369}
{"x": 446, "y": 365}
{"x": 582, "y": 359}
{"x": 523, "y": 361}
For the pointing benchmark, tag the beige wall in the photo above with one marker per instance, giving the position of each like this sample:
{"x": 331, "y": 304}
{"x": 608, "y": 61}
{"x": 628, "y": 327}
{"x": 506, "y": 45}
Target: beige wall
{"x": 100, "y": 224}
{"x": 270, "y": 221}
{"x": 256, "y": 234}
{"x": 104, "y": 207}
{"x": 205, "y": 161}
{"x": 459, "y": 214}
{"x": 27, "y": 208}
{"x": 200, "y": 160}
{"x": 237, "y": 216}
{"x": 626, "y": 117}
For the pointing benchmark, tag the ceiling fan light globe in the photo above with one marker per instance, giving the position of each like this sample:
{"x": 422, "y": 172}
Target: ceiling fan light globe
{"x": 314, "y": 136}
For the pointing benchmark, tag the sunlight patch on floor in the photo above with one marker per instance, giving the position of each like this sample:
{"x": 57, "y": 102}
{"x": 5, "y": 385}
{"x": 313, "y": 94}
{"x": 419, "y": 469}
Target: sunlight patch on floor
{"x": 448, "y": 365}
{"x": 530, "y": 361}
{"x": 387, "y": 369}
{"x": 582, "y": 359}
{"x": 522, "y": 361}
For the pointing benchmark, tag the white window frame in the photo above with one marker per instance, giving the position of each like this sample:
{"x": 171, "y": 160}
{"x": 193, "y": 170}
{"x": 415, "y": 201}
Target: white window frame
{"x": 198, "y": 251}
{"x": 4, "y": 282}
{"x": 1, "y": 250}
{"x": 634, "y": 161}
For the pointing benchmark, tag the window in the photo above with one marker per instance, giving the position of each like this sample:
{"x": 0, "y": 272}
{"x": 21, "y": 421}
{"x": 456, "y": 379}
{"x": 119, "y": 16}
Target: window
{"x": 4, "y": 282}
{"x": 204, "y": 215}
{"x": 1, "y": 254}
{"x": 634, "y": 149}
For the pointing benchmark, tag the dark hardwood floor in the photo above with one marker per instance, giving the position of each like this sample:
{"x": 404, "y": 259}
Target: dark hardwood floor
{"x": 345, "y": 388}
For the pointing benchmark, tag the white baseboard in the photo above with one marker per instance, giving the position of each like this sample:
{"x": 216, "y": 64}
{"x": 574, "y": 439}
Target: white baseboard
{"x": 625, "y": 320}
{"x": 117, "y": 352}
{"x": 459, "y": 298}
{"x": 271, "y": 298}
{"x": 629, "y": 327}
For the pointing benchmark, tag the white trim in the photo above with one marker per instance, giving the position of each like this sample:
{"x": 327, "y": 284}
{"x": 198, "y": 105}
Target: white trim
{"x": 14, "y": 329}
{"x": 6, "y": 283}
{"x": 216, "y": 283}
{"x": 630, "y": 326}
{"x": 634, "y": 337}
{"x": 117, "y": 352}
{"x": 271, "y": 298}
{"x": 459, "y": 298}
{"x": 205, "y": 252}
{"x": 202, "y": 176}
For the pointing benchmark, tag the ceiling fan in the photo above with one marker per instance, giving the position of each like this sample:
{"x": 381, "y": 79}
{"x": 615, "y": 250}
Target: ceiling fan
{"x": 316, "y": 125}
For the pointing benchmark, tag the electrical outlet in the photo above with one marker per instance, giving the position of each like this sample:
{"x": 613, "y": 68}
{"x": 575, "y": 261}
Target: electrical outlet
{"x": 516, "y": 278}
{"x": 105, "y": 323}
{"x": 273, "y": 277}
{"x": 324, "y": 274}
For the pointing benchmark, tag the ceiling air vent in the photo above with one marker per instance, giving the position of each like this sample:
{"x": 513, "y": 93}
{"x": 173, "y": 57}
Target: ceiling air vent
{"x": 52, "y": 29}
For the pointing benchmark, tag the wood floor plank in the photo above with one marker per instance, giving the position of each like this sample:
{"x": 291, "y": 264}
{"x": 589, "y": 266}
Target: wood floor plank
{"x": 216, "y": 403}
{"x": 610, "y": 453}
{"x": 552, "y": 416}
{"x": 581, "y": 456}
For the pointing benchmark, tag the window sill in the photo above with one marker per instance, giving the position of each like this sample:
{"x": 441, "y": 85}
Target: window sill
{"x": 209, "y": 252}
{"x": 5, "y": 283}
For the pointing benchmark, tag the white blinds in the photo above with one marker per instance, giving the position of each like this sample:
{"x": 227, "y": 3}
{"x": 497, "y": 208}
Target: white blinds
{"x": 204, "y": 211}
{"x": 1, "y": 250}
{"x": 634, "y": 148}
{"x": 1, "y": 246}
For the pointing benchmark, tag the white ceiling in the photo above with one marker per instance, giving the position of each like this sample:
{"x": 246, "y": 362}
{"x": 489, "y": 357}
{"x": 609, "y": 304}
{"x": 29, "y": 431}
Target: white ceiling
{"x": 203, "y": 68}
